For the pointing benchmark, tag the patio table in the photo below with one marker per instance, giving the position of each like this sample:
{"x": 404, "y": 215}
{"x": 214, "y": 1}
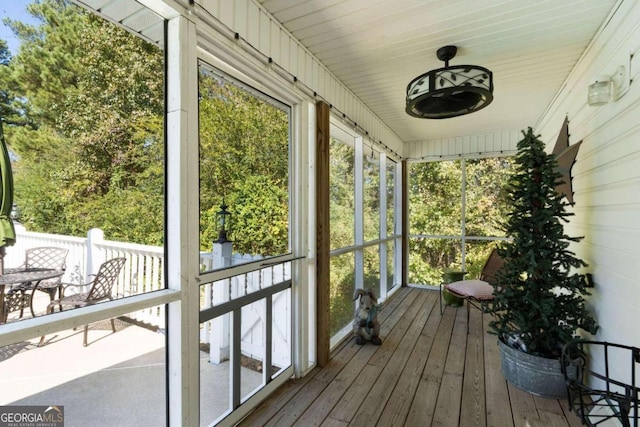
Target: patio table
{"x": 16, "y": 276}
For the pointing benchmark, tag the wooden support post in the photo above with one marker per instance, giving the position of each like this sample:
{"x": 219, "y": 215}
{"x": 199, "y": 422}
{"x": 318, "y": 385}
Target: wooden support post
{"x": 323, "y": 238}
{"x": 405, "y": 223}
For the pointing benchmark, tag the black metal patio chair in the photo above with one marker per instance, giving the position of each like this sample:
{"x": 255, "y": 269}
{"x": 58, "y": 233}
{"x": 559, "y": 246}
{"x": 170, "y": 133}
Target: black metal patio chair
{"x": 100, "y": 289}
{"x": 21, "y": 296}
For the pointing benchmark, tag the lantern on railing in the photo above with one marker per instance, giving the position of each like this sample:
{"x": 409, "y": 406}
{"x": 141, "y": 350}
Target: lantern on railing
{"x": 15, "y": 213}
{"x": 223, "y": 218}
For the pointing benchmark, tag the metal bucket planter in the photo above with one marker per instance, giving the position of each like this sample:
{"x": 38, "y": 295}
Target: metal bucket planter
{"x": 450, "y": 277}
{"x": 537, "y": 375}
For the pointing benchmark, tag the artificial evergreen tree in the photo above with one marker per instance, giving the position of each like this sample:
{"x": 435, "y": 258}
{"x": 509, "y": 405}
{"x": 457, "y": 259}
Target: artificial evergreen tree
{"x": 539, "y": 296}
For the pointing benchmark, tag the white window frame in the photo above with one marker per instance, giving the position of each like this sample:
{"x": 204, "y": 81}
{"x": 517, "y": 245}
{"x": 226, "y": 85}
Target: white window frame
{"x": 346, "y": 135}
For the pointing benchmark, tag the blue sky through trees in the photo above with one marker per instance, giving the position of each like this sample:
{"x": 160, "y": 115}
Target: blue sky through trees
{"x": 16, "y": 10}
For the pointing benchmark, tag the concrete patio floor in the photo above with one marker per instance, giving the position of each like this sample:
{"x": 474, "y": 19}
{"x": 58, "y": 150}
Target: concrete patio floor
{"x": 117, "y": 380}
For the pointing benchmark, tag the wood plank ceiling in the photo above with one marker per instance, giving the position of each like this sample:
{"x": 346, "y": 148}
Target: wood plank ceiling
{"x": 376, "y": 47}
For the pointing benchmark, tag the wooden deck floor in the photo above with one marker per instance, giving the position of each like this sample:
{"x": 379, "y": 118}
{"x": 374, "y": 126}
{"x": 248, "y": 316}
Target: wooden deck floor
{"x": 427, "y": 372}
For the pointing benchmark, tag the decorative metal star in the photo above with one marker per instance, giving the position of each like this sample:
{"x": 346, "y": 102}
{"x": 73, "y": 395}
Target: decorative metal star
{"x": 566, "y": 157}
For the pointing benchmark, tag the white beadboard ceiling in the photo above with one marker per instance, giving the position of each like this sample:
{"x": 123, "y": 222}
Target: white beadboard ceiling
{"x": 375, "y": 47}
{"x": 131, "y": 15}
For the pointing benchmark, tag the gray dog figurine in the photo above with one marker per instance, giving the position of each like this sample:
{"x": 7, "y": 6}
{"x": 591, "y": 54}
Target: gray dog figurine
{"x": 365, "y": 324}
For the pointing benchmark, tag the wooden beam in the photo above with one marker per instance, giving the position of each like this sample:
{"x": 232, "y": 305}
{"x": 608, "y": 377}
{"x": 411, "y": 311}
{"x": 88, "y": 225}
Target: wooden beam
{"x": 405, "y": 223}
{"x": 323, "y": 238}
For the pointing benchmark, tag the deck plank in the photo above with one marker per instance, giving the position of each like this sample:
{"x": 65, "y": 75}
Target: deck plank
{"x": 380, "y": 392}
{"x": 550, "y": 412}
{"x": 572, "y": 417}
{"x": 497, "y": 394}
{"x": 339, "y": 359}
{"x": 447, "y": 410}
{"x": 335, "y": 391}
{"x": 330, "y": 422}
{"x": 423, "y": 405}
{"x": 347, "y": 408}
{"x": 397, "y": 409}
{"x": 473, "y": 406}
{"x": 523, "y": 407}
{"x": 274, "y": 412}
{"x": 281, "y": 397}
{"x": 427, "y": 372}
{"x": 296, "y": 406}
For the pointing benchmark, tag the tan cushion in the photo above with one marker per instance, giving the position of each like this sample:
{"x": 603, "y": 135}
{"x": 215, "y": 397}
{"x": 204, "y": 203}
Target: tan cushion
{"x": 477, "y": 289}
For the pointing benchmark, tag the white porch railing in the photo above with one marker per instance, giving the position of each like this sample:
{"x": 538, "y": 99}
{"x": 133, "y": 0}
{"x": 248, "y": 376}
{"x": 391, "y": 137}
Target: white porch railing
{"x": 77, "y": 246}
{"x": 144, "y": 272}
{"x": 217, "y": 331}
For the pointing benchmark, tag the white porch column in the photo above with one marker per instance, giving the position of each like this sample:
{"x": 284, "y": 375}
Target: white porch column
{"x": 183, "y": 256}
{"x": 220, "y": 326}
{"x": 95, "y": 257}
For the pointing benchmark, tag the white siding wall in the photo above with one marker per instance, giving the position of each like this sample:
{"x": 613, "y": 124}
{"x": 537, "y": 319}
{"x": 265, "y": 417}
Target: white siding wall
{"x": 264, "y": 33}
{"x": 492, "y": 145}
{"x": 607, "y": 175}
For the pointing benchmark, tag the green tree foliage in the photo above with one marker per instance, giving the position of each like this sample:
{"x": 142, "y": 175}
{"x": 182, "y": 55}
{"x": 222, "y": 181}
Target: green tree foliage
{"x": 371, "y": 197}
{"x": 436, "y": 210}
{"x": 87, "y": 101}
{"x": 539, "y": 296}
{"x": 244, "y": 160}
{"x": 341, "y": 193}
{"x": 5, "y": 94}
{"x": 486, "y": 196}
{"x": 342, "y": 284}
{"x": 342, "y": 234}
{"x": 342, "y": 211}
{"x": 261, "y": 216}
{"x": 46, "y": 65}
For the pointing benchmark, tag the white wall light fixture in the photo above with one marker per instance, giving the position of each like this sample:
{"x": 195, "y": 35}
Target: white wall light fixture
{"x": 600, "y": 90}
{"x": 606, "y": 88}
